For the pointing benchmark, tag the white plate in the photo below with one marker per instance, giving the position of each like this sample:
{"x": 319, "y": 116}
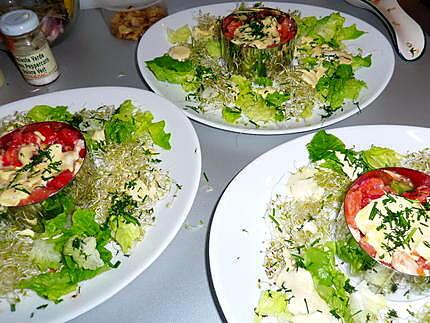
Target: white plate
{"x": 236, "y": 248}
{"x": 154, "y": 43}
{"x": 183, "y": 162}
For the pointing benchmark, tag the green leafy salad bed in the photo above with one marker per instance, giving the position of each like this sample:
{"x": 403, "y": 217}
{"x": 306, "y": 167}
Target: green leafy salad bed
{"x": 315, "y": 270}
{"x": 78, "y": 233}
{"x": 320, "y": 79}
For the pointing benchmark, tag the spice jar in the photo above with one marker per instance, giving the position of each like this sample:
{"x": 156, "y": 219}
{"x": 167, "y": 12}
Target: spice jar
{"x": 29, "y": 46}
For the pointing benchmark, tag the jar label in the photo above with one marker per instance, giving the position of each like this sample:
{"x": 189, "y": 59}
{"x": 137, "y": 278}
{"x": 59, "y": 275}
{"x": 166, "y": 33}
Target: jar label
{"x": 37, "y": 65}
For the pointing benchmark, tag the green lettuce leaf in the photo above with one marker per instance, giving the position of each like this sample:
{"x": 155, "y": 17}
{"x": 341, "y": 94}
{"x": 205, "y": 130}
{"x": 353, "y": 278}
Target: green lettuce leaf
{"x": 328, "y": 30}
{"x": 44, "y": 255}
{"x": 84, "y": 223}
{"x": 277, "y": 99}
{"x": 178, "y": 36}
{"x": 359, "y": 61}
{"x": 51, "y": 285}
{"x": 339, "y": 86}
{"x": 349, "y": 251}
{"x": 125, "y": 233}
{"x": 263, "y": 81}
{"x": 158, "y": 135}
{"x": 251, "y": 104}
{"x": 230, "y": 115}
{"x": 328, "y": 27}
{"x": 326, "y": 147}
{"x": 273, "y": 303}
{"x": 167, "y": 69}
{"x": 378, "y": 157}
{"x": 323, "y": 145}
{"x": 54, "y": 226}
{"x": 129, "y": 124}
{"x": 41, "y": 113}
{"x": 349, "y": 33}
{"x": 213, "y": 47}
{"x": 255, "y": 107}
{"x": 331, "y": 284}
{"x": 59, "y": 250}
{"x": 54, "y": 285}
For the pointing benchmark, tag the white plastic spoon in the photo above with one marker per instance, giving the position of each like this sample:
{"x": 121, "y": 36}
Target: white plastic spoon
{"x": 407, "y": 35}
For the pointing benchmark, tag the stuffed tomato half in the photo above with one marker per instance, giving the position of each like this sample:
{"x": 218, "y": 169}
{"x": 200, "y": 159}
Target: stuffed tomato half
{"x": 257, "y": 41}
{"x": 388, "y": 213}
{"x": 37, "y": 160}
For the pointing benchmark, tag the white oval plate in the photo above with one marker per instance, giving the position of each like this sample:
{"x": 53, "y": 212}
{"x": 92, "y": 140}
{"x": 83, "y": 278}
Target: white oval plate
{"x": 183, "y": 162}
{"x": 238, "y": 230}
{"x": 154, "y": 43}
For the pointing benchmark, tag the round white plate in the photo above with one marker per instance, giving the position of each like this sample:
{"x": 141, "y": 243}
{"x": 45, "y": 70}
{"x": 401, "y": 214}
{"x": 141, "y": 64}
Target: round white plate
{"x": 183, "y": 162}
{"x": 238, "y": 230}
{"x": 154, "y": 43}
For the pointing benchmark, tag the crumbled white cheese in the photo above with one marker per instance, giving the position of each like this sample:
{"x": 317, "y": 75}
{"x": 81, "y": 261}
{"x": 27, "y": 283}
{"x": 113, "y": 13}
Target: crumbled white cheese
{"x": 312, "y": 77}
{"x": 244, "y": 34}
{"x": 402, "y": 258}
{"x": 26, "y": 152}
{"x": 365, "y": 303}
{"x": 98, "y": 135}
{"x": 180, "y": 53}
{"x": 39, "y": 135}
{"x": 138, "y": 191}
{"x": 200, "y": 33}
{"x": 310, "y": 226}
{"x": 301, "y": 185}
{"x": 302, "y": 287}
{"x": 348, "y": 169}
{"x": 12, "y": 197}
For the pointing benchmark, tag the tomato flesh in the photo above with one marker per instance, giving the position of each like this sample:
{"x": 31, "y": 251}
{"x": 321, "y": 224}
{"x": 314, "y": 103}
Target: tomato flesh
{"x": 376, "y": 183}
{"x": 60, "y": 180}
{"x": 287, "y": 27}
{"x": 230, "y": 27}
{"x": 41, "y": 135}
{"x": 11, "y": 157}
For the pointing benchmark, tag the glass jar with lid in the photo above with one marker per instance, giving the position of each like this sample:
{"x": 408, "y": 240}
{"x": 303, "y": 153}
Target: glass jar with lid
{"x": 29, "y": 47}
{"x": 57, "y": 17}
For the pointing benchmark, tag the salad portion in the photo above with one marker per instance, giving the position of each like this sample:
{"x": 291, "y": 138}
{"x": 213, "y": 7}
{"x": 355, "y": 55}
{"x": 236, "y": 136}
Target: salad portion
{"x": 37, "y": 160}
{"x": 261, "y": 67}
{"x": 387, "y": 211}
{"x": 314, "y": 267}
{"x": 83, "y": 230}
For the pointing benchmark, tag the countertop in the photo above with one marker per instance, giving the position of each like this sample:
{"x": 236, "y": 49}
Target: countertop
{"x": 177, "y": 287}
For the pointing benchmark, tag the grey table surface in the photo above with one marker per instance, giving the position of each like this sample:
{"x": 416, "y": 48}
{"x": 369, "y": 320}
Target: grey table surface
{"x": 177, "y": 287}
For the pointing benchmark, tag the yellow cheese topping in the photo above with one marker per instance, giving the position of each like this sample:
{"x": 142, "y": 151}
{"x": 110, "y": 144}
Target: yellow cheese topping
{"x": 17, "y": 183}
{"x": 268, "y": 35}
{"x": 398, "y": 229}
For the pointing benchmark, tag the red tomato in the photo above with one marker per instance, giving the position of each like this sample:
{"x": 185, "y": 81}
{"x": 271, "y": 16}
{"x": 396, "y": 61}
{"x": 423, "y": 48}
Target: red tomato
{"x": 11, "y": 157}
{"x": 368, "y": 247}
{"x": 229, "y": 26}
{"x": 416, "y": 177}
{"x": 53, "y": 133}
{"x": 67, "y": 137}
{"x": 421, "y": 194}
{"x": 37, "y": 195}
{"x": 30, "y": 138}
{"x": 287, "y": 29}
{"x": 352, "y": 205}
{"x": 376, "y": 183}
{"x": 46, "y": 131}
{"x": 60, "y": 180}
{"x": 82, "y": 153}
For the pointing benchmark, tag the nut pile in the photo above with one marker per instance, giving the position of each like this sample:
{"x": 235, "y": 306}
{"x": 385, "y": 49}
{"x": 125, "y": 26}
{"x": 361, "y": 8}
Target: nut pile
{"x": 132, "y": 23}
